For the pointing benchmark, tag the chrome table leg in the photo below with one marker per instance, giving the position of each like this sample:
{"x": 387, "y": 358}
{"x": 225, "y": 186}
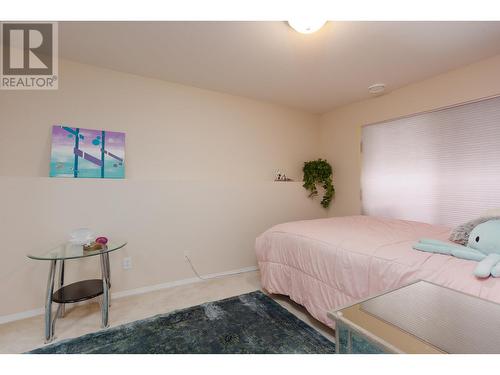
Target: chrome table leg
{"x": 108, "y": 273}
{"x": 61, "y": 284}
{"x": 108, "y": 270}
{"x": 105, "y": 294}
{"x": 49, "y": 328}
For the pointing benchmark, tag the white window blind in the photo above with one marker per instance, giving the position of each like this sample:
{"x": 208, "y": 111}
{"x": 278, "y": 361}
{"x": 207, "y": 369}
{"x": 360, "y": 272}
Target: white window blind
{"x": 440, "y": 167}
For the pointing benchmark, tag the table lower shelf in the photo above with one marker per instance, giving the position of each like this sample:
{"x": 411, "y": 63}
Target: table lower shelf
{"x": 79, "y": 291}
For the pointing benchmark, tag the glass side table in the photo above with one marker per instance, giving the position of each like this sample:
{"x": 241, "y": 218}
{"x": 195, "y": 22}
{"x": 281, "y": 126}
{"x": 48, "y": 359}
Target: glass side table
{"x": 420, "y": 318}
{"x": 81, "y": 290}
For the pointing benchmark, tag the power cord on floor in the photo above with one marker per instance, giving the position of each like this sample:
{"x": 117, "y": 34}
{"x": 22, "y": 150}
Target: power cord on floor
{"x": 210, "y": 277}
{"x": 194, "y": 269}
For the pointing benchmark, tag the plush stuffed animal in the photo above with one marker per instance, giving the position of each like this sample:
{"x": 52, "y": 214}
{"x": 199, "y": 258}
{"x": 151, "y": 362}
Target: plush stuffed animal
{"x": 483, "y": 246}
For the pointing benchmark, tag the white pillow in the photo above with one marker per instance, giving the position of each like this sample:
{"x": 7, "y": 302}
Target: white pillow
{"x": 492, "y": 212}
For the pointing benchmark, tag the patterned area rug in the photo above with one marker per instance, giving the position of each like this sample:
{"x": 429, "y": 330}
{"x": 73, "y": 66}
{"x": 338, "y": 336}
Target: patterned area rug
{"x": 250, "y": 323}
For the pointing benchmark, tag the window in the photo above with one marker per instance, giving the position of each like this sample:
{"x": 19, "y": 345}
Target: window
{"x": 441, "y": 167}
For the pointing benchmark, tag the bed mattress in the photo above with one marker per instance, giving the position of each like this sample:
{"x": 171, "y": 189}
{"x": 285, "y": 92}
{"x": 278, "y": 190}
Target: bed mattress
{"x": 326, "y": 264}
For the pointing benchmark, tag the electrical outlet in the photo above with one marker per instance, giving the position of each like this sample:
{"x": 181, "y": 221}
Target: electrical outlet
{"x": 187, "y": 254}
{"x": 127, "y": 263}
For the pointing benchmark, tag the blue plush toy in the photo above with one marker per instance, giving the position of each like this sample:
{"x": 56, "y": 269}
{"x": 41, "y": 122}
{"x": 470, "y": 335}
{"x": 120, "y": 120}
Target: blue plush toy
{"x": 483, "y": 246}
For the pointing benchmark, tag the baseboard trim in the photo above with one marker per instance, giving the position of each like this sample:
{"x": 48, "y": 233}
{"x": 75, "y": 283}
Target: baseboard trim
{"x": 171, "y": 284}
{"x": 133, "y": 292}
{"x": 21, "y": 315}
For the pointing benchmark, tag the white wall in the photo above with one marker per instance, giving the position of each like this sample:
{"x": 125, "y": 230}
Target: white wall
{"x": 199, "y": 166}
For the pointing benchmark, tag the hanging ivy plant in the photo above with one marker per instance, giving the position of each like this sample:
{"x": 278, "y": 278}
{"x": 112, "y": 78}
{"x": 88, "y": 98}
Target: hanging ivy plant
{"x": 319, "y": 172}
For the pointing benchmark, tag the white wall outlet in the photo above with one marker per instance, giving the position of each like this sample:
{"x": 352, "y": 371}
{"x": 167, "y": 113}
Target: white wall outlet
{"x": 187, "y": 254}
{"x": 127, "y": 263}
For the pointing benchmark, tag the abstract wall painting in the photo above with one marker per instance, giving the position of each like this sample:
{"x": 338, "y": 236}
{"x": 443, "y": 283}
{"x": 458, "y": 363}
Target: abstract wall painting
{"x": 87, "y": 153}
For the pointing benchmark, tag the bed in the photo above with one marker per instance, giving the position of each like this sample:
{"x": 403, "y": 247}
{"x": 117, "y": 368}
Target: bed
{"x": 328, "y": 263}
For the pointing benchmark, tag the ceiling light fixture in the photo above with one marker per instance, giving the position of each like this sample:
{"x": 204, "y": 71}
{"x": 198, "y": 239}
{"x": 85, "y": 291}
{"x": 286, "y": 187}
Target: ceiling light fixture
{"x": 306, "y": 26}
{"x": 376, "y": 89}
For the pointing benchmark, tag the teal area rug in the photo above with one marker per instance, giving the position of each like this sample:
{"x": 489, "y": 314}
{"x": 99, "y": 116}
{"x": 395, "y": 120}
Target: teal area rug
{"x": 250, "y": 323}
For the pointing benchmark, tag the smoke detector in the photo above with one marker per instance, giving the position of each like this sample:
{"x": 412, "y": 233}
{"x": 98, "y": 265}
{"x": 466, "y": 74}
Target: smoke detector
{"x": 377, "y": 89}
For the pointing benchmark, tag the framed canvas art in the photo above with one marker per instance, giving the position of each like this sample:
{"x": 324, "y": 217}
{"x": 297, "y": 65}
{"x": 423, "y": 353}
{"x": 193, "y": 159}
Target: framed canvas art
{"x": 87, "y": 153}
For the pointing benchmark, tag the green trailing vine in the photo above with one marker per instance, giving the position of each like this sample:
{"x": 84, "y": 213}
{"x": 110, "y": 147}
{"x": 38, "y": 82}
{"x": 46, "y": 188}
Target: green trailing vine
{"x": 319, "y": 172}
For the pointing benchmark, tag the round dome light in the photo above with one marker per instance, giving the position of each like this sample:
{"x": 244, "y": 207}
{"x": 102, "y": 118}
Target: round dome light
{"x": 306, "y": 26}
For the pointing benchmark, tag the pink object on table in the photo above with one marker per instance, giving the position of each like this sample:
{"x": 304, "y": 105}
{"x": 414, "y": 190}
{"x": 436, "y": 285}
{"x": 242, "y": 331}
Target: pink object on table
{"x": 101, "y": 240}
{"x": 329, "y": 263}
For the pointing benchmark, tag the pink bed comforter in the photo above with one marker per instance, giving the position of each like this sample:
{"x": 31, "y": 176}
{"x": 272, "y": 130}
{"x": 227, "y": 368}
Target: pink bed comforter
{"x": 328, "y": 263}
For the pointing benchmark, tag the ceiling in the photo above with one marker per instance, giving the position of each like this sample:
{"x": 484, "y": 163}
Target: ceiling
{"x": 270, "y": 61}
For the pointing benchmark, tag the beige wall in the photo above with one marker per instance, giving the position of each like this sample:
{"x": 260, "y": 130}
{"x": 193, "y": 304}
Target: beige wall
{"x": 173, "y": 131}
{"x": 341, "y": 128}
{"x": 199, "y": 166}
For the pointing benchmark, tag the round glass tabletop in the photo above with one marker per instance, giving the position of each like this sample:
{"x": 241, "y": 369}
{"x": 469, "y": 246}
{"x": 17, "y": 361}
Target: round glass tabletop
{"x": 72, "y": 251}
